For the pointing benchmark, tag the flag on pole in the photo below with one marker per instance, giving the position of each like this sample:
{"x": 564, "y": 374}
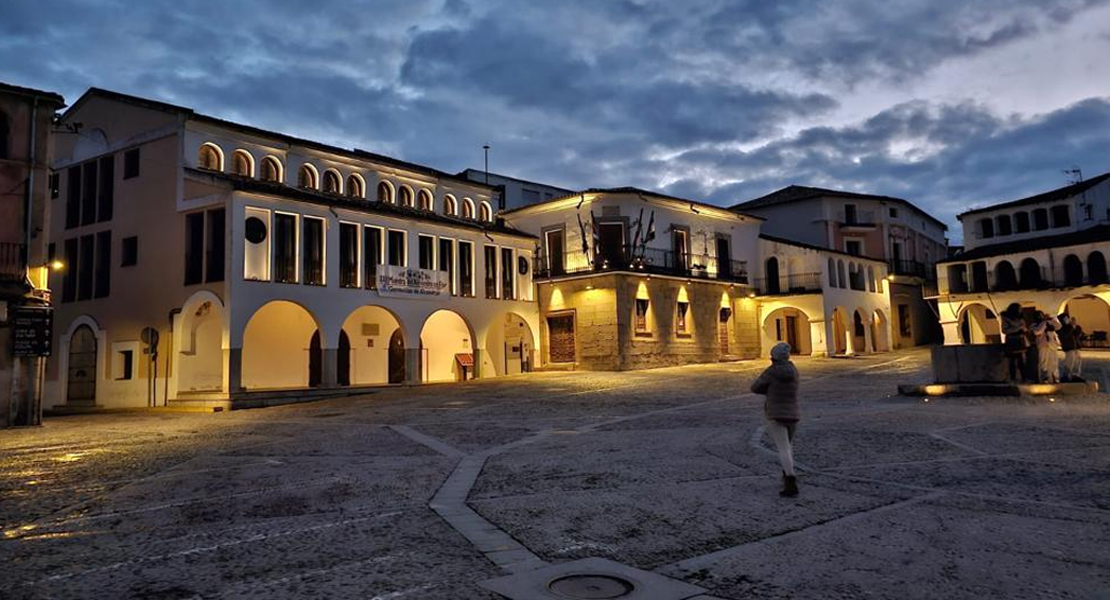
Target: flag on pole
{"x": 582, "y": 235}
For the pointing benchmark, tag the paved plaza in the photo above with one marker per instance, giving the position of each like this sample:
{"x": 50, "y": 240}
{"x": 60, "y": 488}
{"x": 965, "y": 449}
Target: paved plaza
{"x": 426, "y": 492}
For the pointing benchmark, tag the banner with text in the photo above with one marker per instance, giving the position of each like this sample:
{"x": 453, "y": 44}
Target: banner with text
{"x": 405, "y": 282}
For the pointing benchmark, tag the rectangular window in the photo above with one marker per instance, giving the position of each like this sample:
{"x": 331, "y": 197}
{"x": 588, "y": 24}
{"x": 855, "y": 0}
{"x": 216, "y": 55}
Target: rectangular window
{"x": 285, "y": 248}
{"x": 371, "y": 255}
{"x": 905, "y": 326}
{"x": 131, "y": 163}
{"x": 54, "y": 183}
{"x": 129, "y": 252}
{"x": 1087, "y": 210}
{"x": 85, "y": 265}
{"x": 313, "y": 253}
{"x": 214, "y": 268}
{"x": 194, "y": 248}
{"x": 466, "y": 269}
{"x": 396, "y": 247}
{"x": 107, "y": 188}
{"x": 348, "y": 255}
{"x": 426, "y": 246}
{"x": 642, "y": 305}
{"x": 680, "y": 323}
{"x": 681, "y": 244}
{"x": 103, "y": 285}
{"x": 126, "y": 364}
{"x": 555, "y": 251}
{"x": 893, "y": 213}
{"x": 850, "y": 215}
{"x": 447, "y": 263}
{"x": 73, "y": 197}
{"x": 69, "y": 276}
{"x": 490, "y": 266}
{"x": 853, "y": 247}
{"x": 88, "y": 193}
{"x": 508, "y": 290}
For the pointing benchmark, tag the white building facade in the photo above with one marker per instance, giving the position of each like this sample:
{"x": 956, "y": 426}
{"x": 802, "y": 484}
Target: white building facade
{"x": 264, "y": 263}
{"x": 1047, "y": 252}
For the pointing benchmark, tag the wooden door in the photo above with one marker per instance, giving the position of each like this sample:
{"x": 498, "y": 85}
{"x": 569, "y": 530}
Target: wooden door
{"x": 315, "y": 360}
{"x": 396, "y": 357}
{"x": 82, "y": 367}
{"x": 343, "y": 359}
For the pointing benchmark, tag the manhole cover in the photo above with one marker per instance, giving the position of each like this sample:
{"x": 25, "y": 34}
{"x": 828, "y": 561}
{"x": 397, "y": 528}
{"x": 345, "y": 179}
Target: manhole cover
{"x": 590, "y": 587}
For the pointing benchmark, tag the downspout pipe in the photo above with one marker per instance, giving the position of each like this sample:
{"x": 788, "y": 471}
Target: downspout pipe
{"x": 29, "y": 193}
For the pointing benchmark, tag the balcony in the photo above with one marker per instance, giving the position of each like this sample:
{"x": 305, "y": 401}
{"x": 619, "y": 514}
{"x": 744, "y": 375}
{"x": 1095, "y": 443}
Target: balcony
{"x": 863, "y": 219}
{"x": 641, "y": 260}
{"x": 912, "y": 268}
{"x": 787, "y": 285}
{"x": 962, "y": 280}
{"x": 11, "y": 261}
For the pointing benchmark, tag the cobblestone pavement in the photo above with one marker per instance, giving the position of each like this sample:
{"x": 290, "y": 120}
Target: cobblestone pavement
{"x": 422, "y": 493}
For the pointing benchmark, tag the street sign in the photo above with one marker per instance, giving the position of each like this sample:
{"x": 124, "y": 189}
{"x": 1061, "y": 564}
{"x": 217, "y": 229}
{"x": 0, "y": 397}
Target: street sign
{"x": 32, "y": 329}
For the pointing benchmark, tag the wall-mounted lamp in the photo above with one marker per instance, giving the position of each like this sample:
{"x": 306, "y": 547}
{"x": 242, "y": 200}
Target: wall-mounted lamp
{"x": 55, "y": 265}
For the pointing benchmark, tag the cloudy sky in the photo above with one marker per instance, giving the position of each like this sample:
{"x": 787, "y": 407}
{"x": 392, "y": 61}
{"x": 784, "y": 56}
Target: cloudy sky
{"x": 948, "y": 103}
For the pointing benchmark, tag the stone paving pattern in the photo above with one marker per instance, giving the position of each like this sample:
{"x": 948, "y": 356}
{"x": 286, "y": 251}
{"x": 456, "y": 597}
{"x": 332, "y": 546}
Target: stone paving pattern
{"x": 411, "y": 493}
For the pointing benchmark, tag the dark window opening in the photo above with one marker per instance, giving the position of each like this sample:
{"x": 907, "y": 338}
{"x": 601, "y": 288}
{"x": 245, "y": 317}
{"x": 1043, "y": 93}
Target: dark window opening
{"x": 466, "y": 269}
{"x": 426, "y": 252}
{"x": 396, "y": 242}
{"x": 642, "y": 305}
{"x": 131, "y": 163}
{"x": 986, "y": 228}
{"x": 447, "y": 263}
{"x": 55, "y": 183}
{"x": 1061, "y": 217}
{"x": 1040, "y": 219}
{"x": 127, "y": 364}
{"x": 129, "y": 252}
{"x": 88, "y": 193}
{"x": 508, "y": 290}
{"x": 106, "y": 189}
{"x": 490, "y": 265}
{"x": 194, "y": 248}
{"x": 69, "y": 276}
{"x": 313, "y": 252}
{"x": 285, "y": 248}
{"x": 348, "y": 255}
{"x": 214, "y": 270}
{"x": 73, "y": 197}
{"x": 371, "y": 256}
{"x": 86, "y": 268}
{"x": 680, "y": 323}
{"x": 1021, "y": 222}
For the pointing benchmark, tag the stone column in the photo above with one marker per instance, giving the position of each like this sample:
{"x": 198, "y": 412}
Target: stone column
{"x": 479, "y": 356}
{"x": 233, "y": 370}
{"x": 414, "y": 373}
{"x": 329, "y": 375}
{"x": 868, "y": 343}
{"x": 818, "y": 339}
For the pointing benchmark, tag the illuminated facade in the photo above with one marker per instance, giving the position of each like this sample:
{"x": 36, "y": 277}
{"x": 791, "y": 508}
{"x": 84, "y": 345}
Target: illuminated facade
{"x": 26, "y": 138}
{"x": 1047, "y": 252}
{"x": 627, "y": 278}
{"x": 267, "y": 263}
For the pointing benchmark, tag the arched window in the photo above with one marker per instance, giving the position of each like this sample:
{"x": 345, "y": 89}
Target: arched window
{"x": 485, "y": 212}
{"x": 332, "y": 181}
{"x": 355, "y": 186}
{"x": 271, "y": 169}
{"x": 832, "y": 273}
{"x": 771, "y": 271}
{"x": 243, "y": 163}
{"x": 1005, "y": 278}
{"x": 840, "y": 274}
{"x": 425, "y": 200}
{"x": 1030, "y": 274}
{"x": 1021, "y": 222}
{"x": 406, "y": 196}
{"x": 468, "y": 208}
{"x": 385, "y": 192}
{"x": 306, "y": 177}
{"x": 1040, "y": 219}
{"x": 450, "y": 205}
{"x": 210, "y": 157}
{"x": 1096, "y": 268}
{"x": 5, "y": 135}
{"x": 871, "y": 278}
{"x": 986, "y": 228}
{"x": 1003, "y": 225}
{"x": 1073, "y": 271}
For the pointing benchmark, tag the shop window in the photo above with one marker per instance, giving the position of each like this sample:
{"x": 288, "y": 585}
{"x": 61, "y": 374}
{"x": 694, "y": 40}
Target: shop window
{"x": 680, "y": 323}
{"x": 642, "y": 305}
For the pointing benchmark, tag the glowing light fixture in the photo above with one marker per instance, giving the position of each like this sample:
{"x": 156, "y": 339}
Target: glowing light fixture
{"x": 56, "y": 265}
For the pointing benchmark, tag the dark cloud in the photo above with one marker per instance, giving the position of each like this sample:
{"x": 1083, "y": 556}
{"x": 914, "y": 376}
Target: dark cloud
{"x": 716, "y": 99}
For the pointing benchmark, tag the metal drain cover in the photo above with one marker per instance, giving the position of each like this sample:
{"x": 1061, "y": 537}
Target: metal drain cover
{"x": 591, "y": 587}
{"x": 591, "y": 579}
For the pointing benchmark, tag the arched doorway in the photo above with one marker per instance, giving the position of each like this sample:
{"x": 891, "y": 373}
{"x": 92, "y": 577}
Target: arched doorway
{"x": 281, "y": 348}
{"x": 444, "y": 336}
{"x": 859, "y": 332}
{"x": 1093, "y": 315}
{"x": 81, "y": 388}
{"x": 511, "y": 345}
{"x": 1096, "y": 268}
{"x": 1073, "y": 271}
{"x": 772, "y": 273}
{"x": 396, "y": 360}
{"x": 1030, "y": 274}
{"x": 880, "y": 332}
{"x": 200, "y": 359}
{"x": 343, "y": 359}
{"x": 979, "y": 325}
{"x": 840, "y": 332}
{"x": 789, "y": 325}
{"x": 1005, "y": 278}
{"x": 372, "y": 344}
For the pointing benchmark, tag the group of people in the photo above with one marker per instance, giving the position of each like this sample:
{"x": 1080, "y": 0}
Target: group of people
{"x": 1033, "y": 341}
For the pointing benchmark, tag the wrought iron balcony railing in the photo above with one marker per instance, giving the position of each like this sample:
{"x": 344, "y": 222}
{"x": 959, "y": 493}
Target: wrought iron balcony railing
{"x": 640, "y": 260}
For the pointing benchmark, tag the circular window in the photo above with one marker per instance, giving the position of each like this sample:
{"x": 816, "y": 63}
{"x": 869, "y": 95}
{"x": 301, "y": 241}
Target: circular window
{"x": 522, "y": 265}
{"x": 256, "y": 230}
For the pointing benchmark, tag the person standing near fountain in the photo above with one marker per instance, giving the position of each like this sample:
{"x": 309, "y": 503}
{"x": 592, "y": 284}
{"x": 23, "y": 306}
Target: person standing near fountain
{"x": 1016, "y": 341}
{"x": 779, "y": 383}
